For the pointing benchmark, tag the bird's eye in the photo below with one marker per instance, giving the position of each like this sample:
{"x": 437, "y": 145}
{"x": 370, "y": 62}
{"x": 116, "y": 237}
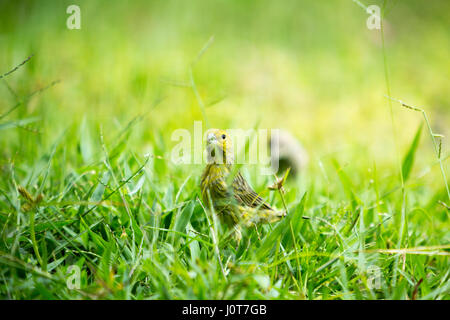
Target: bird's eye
{"x": 224, "y": 136}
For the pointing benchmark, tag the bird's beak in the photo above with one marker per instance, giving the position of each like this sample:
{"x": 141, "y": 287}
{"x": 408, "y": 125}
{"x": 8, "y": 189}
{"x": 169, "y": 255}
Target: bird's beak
{"x": 211, "y": 139}
{"x": 211, "y": 145}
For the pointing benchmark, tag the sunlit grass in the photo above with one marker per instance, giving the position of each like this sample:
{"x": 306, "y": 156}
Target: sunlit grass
{"x": 86, "y": 177}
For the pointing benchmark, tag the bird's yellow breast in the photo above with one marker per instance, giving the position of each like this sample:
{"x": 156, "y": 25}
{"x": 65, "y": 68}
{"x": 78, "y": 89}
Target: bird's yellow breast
{"x": 214, "y": 181}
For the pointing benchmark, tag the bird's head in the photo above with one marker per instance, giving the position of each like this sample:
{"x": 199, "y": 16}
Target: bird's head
{"x": 219, "y": 147}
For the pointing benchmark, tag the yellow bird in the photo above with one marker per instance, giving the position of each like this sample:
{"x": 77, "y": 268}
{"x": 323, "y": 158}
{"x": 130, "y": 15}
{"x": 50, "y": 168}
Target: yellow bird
{"x": 235, "y": 202}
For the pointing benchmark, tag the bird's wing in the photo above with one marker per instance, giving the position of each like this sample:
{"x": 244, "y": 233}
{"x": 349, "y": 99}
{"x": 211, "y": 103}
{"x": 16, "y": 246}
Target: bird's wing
{"x": 245, "y": 195}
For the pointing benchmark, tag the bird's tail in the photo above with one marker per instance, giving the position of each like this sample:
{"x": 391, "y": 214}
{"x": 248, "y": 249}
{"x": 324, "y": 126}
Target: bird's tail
{"x": 252, "y": 216}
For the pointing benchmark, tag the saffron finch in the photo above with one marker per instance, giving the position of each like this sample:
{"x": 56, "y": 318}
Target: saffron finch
{"x": 235, "y": 202}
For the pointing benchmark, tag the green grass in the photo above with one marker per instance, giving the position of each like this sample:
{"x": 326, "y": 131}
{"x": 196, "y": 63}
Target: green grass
{"x": 86, "y": 177}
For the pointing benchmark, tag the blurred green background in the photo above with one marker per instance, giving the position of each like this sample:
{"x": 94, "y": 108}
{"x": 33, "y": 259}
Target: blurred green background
{"x": 311, "y": 67}
{"x": 306, "y": 66}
